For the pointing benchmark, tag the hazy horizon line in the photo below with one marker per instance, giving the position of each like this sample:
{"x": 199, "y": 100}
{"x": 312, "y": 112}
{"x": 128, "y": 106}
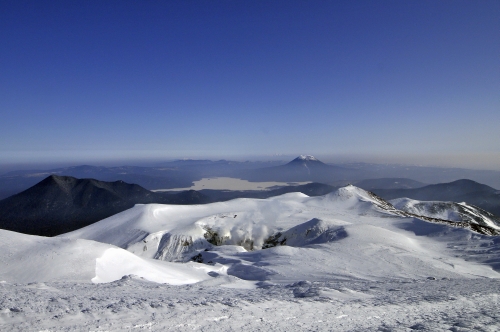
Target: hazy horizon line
{"x": 477, "y": 161}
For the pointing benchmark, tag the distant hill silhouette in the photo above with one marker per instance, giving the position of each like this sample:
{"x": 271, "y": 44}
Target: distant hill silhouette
{"x": 464, "y": 190}
{"x": 60, "y": 204}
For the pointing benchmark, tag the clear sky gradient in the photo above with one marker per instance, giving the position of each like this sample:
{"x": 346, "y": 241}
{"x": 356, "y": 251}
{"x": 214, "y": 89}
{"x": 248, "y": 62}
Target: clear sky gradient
{"x": 385, "y": 81}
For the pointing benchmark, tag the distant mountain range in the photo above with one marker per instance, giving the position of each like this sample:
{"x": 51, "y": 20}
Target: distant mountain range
{"x": 182, "y": 173}
{"x": 60, "y": 204}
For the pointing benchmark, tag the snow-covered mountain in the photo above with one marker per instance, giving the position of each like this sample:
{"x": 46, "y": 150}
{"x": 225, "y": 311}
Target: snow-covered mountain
{"x": 263, "y": 239}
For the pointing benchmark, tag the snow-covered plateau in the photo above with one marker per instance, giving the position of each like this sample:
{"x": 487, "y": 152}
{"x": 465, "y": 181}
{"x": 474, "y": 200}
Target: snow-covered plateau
{"x": 346, "y": 261}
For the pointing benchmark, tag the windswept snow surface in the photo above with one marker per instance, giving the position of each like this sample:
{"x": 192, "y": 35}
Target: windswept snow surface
{"x": 346, "y": 261}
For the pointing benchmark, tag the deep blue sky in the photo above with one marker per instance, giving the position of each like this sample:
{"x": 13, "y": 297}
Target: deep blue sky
{"x": 407, "y": 81}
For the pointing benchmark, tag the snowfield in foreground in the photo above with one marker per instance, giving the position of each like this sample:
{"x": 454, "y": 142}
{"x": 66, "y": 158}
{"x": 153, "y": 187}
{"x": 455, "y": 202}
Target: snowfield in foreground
{"x": 344, "y": 261}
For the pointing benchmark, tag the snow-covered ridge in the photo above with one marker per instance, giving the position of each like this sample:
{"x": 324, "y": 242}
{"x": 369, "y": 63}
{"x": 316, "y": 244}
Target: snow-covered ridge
{"x": 451, "y": 211}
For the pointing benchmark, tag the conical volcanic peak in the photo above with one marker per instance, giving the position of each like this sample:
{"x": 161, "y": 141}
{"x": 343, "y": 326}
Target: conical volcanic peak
{"x": 307, "y": 161}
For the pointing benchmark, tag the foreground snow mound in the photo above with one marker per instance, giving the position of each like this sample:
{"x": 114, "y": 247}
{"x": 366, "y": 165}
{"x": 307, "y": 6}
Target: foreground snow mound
{"x": 27, "y": 258}
{"x": 458, "y": 212}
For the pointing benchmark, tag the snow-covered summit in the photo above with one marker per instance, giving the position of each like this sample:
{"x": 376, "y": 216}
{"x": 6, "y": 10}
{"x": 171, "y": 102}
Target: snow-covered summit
{"x": 306, "y": 158}
{"x": 353, "y": 197}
